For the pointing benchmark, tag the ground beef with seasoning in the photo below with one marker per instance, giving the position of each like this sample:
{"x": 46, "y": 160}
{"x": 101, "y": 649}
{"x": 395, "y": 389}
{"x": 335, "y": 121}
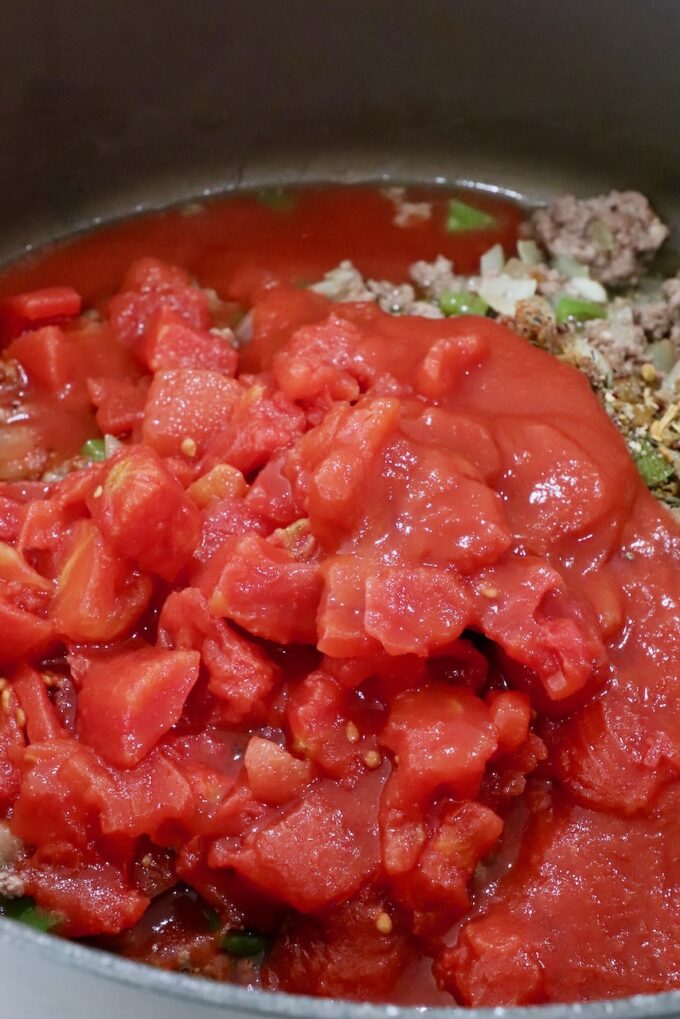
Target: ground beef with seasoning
{"x": 615, "y": 235}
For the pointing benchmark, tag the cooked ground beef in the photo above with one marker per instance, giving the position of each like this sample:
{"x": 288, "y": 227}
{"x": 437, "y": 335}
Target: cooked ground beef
{"x": 614, "y": 235}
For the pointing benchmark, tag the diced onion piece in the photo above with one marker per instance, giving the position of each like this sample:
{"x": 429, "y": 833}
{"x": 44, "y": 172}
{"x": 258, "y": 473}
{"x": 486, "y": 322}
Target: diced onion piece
{"x": 529, "y": 252}
{"x": 244, "y": 330}
{"x": 569, "y": 267}
{"x": 663, "y": 355}
{"x": 111, "y": 446}
{"x": 589, "y": 290}
{"x": 503, "y": 292}
{"x": 492, "y": 260}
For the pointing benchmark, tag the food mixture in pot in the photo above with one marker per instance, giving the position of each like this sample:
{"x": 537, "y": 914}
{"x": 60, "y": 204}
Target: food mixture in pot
{"x": 340, "y": 595}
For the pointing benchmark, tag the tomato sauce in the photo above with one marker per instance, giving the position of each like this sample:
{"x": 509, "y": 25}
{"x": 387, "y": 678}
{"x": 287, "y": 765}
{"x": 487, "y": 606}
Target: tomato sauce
{"x": 348, "y": 666}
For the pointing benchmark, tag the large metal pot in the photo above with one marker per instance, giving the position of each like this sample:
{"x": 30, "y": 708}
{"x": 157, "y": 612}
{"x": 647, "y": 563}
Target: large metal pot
{"x": 107, "y": 108}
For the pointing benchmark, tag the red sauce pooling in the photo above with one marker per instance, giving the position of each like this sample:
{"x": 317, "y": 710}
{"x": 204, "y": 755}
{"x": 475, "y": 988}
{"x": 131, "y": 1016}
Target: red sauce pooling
{"x": 333, "y": 630}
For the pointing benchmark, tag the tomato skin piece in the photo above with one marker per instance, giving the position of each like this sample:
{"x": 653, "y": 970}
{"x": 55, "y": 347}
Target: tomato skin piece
{"x": 274, "y": 775}
{"x": 144, "y": 513}
{"x": 12, "y": 741}
{"x": 170, "y": 342}
{"x": 128, "y": 701}
{"x": 265, "y": 590}
{"x": 37, "y": 308}
{"x": 99, "y": 595}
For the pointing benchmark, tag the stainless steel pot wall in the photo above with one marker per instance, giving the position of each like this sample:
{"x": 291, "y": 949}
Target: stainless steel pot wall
{"x": 107, "y": 108}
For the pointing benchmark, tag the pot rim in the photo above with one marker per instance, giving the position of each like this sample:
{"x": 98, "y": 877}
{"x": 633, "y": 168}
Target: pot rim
{"x": 198, "y": 990}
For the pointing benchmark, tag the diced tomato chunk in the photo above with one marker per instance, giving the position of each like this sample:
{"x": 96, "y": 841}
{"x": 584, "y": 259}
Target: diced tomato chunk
{"x": 442, "y": 737}
{"x": 435, "y": 891}
{"x": 188, "y": 405}
{"x": 341, "y": 954}
{"x": 511, "y": 714}
{"x": 342, "y": 609}
{"x": 63, "y": 790}
{"x": 149, "y": 286}
{"x": 266, "y": 591}
{"x": 262, "y": 423}
{"x": 525, "y": 608}
{"x": 37, "y": 308}
{"x": 318, "y": 715}
{"x": 147, "y": 799}
{"x": 275, "y": 317}
{"x": 415, "y": 610}
{"x": 119, "y": 402}
{"x": 239, "y": 674}
{"x": 144, "y": 513}
{"x": 99, "y": 594}
{"x": 222, "y": 519}
{"x": 46, "y": 356}
{"x": 87, "y": 896}
{"x": 446, "y": 362}
{"x": 293, "y": 864}
{"x": 24, "y": 633}
{"x": 170, "y": 342}
{"x": 128, "y": 701}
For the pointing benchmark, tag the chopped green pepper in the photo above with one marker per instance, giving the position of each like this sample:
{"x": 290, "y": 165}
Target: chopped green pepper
{"x": 653, "y": 465}
{"x": 277, "y": 198}
{"x": 575, "y": 309}
{"x": 94, "y": 449}
{"x": 462, "y": 302}
{"x": 462, "y": 216}
{"x": 24, "y": 910}
{"x": 243, "y": 944}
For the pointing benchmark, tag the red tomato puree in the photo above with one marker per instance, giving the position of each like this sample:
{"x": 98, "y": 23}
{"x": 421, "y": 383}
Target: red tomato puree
{"x": 354, "y": 669}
